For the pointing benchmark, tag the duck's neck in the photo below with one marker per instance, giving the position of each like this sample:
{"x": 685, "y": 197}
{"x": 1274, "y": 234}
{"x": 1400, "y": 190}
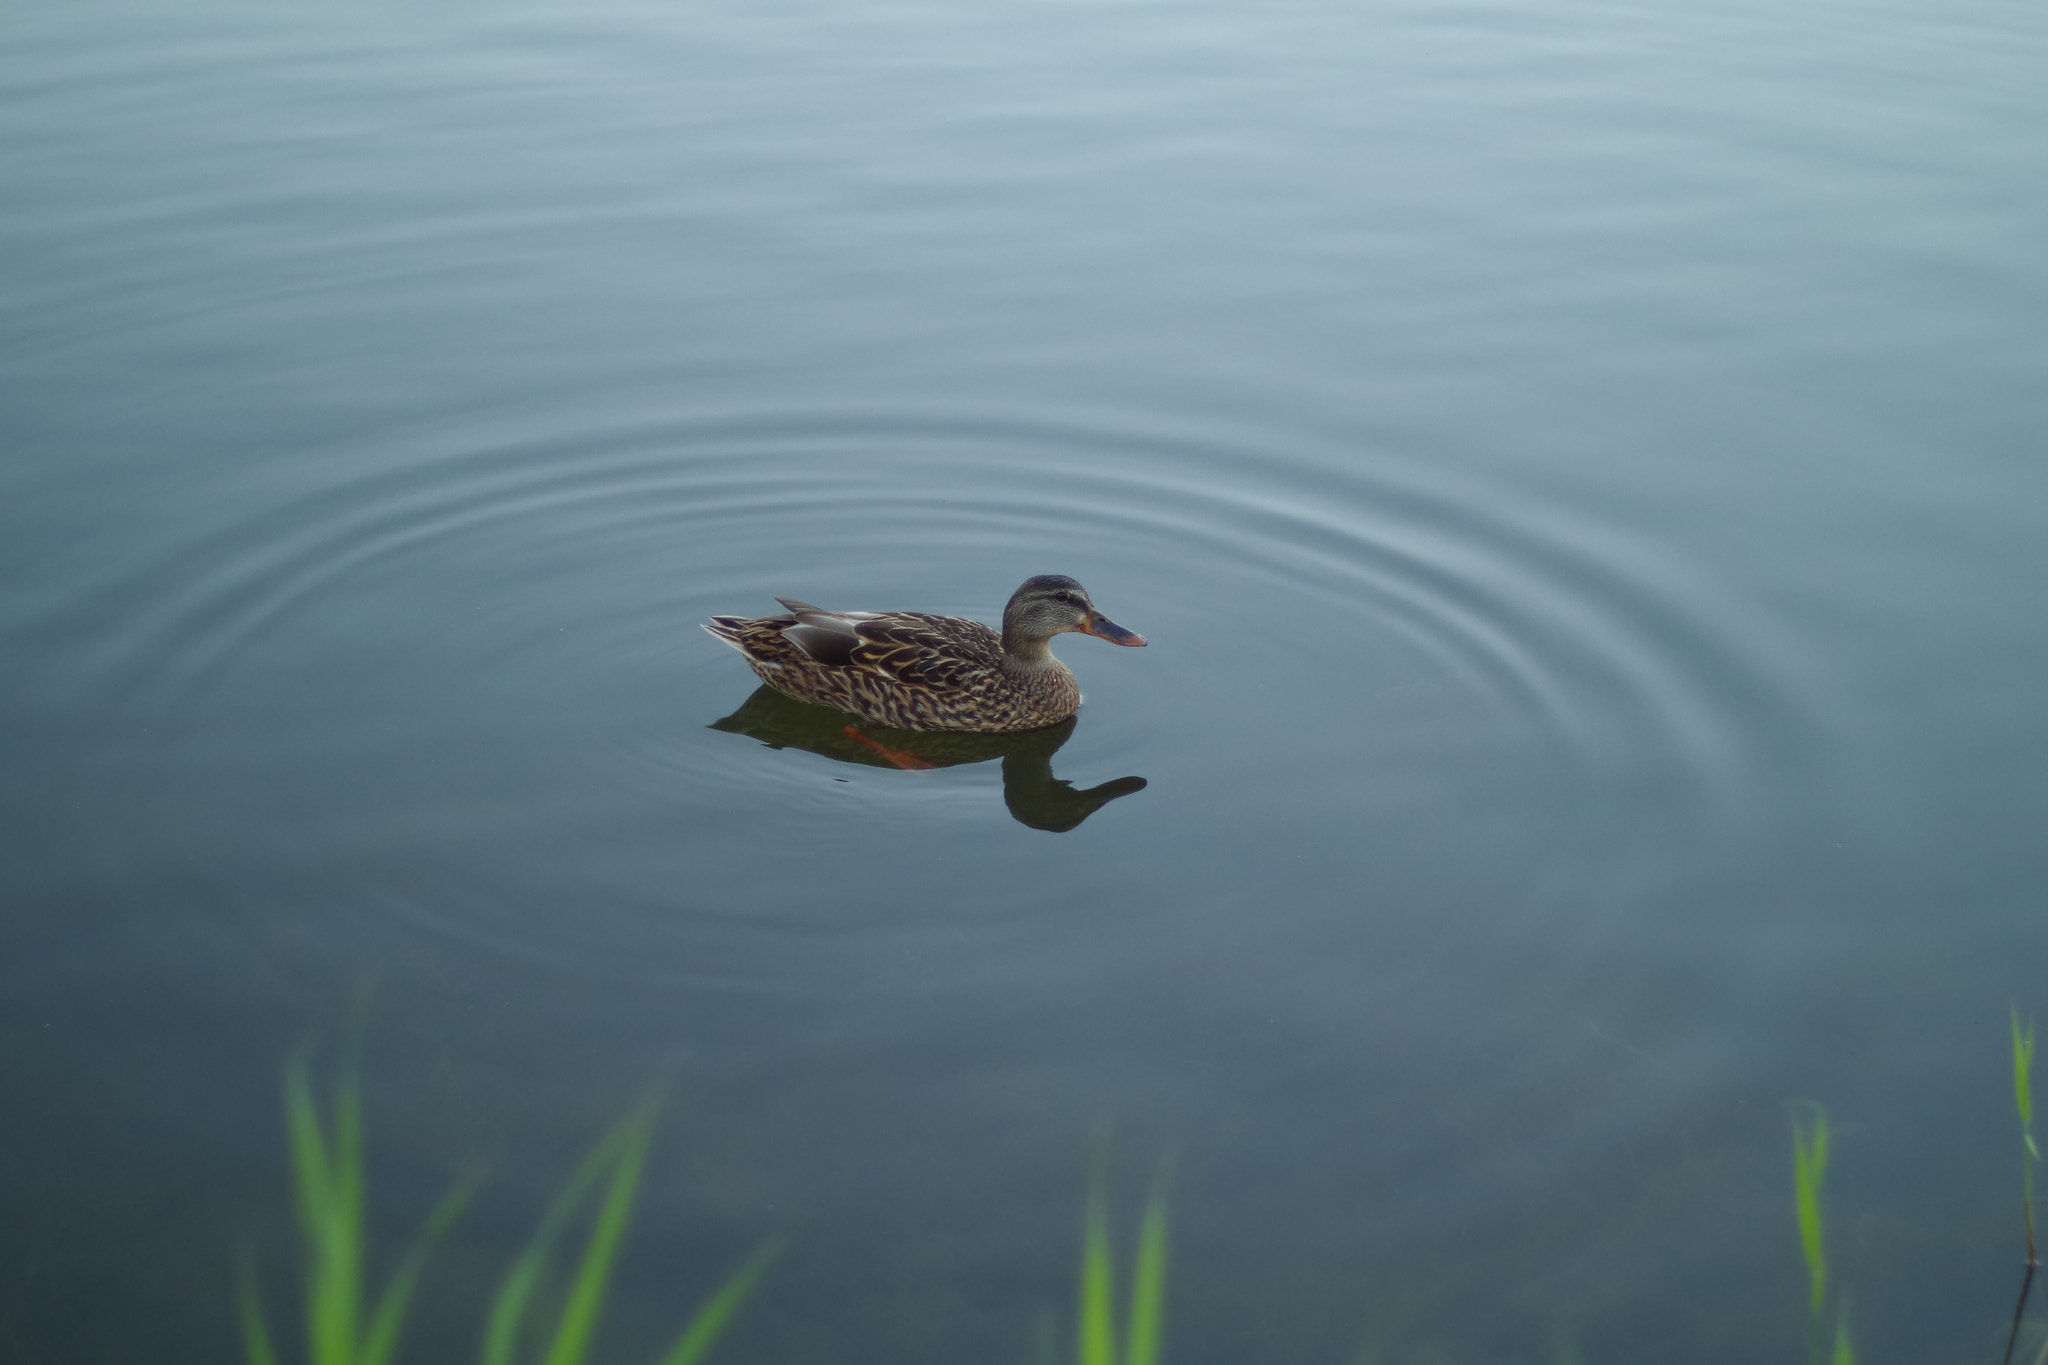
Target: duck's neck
{"x": 1028, "y": 651}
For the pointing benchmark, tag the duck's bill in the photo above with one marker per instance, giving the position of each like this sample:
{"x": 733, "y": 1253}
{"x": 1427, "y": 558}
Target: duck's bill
{"x": 1102, "y": 628}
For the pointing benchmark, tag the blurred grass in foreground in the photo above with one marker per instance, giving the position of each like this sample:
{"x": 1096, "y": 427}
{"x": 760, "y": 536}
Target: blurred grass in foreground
{"x": 2023, "y": 1101}
{"x": 528, "y": 1323}
{"x": 1809, "y": 1170}
{"x": 344, "y": 1326}
{"x": 1145, "y": 1314}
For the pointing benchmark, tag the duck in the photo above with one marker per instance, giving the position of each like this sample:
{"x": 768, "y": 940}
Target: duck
{"x": 911, "y": 670}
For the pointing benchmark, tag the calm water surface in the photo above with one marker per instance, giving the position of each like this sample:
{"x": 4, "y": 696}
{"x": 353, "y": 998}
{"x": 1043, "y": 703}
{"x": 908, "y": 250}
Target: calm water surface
{"x": 1579, "y": 466}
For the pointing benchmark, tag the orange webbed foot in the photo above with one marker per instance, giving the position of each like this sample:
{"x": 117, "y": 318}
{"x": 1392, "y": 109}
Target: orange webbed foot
{"x": 901, "y": 758}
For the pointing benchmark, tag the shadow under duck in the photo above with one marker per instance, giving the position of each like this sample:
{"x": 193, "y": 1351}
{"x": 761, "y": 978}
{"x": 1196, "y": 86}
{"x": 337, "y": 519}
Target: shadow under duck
{"x": 911, "y": 670}
{"x": 1034, "y": 796}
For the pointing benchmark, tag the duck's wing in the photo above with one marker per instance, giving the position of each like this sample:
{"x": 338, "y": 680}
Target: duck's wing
{"x": 935, "y": 653}
{"x": 829, "y": 637}
{"x": 908, "y": 648}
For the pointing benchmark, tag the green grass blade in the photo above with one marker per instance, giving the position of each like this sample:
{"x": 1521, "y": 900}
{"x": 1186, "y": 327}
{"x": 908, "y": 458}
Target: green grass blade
{"x": 1809, "y": 1169}
{"x": 380, "y": 1339}
{"x": 256, "y": 1344}
{"x": 1845, "y": 1350}
{"x": 329, "y": 1198}
{"x": 308, "y": 1145}
{"x": 710, "y": 1321}
{"x": 1096, "y": 1329}
{"x": 515, "y": 1295}
{"x": 342, "y": 1280}
{"x": 1148, "y": 1288}
{"x": 587, "y": 1289}
{"x": 2022, "y": 1068}
{"x": 508, "y": 1310}
{"x": 2023, "y": 1100}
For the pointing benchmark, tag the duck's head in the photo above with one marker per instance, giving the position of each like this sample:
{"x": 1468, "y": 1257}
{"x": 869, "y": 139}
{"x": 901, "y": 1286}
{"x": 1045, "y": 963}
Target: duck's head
{"x": 1052, "y": 604}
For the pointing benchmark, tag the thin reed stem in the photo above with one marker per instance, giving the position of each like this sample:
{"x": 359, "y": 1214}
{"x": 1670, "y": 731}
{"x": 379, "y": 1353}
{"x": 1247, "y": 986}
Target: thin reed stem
{"x": 1809, "y": 1170}
{"x": 2023, "y": 1101}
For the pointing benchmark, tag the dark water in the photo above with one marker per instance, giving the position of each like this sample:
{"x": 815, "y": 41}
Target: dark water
{"x": 1580, "y": 469}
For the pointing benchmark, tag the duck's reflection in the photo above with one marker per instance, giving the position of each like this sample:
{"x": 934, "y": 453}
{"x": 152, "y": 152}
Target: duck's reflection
{"x": 1035, "y": 797}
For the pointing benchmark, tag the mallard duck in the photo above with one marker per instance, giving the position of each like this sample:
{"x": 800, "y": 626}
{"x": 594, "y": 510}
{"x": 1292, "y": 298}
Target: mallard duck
{"x": 914, "y": 671}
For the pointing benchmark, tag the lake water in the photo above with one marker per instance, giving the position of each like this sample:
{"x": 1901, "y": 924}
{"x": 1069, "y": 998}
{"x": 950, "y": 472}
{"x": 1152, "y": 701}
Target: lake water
{"x": 1579, "y": 467}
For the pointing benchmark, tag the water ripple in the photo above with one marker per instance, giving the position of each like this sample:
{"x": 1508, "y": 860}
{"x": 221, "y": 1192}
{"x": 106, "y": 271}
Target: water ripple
{"x": 1302, "y": 596}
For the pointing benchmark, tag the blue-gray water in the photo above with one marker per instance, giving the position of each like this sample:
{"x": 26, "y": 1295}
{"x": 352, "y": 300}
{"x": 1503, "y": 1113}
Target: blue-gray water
{"x": 1579, "y": 466}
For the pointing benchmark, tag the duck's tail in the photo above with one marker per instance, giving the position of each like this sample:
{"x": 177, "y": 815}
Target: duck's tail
{"x": 727, "y": 628}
